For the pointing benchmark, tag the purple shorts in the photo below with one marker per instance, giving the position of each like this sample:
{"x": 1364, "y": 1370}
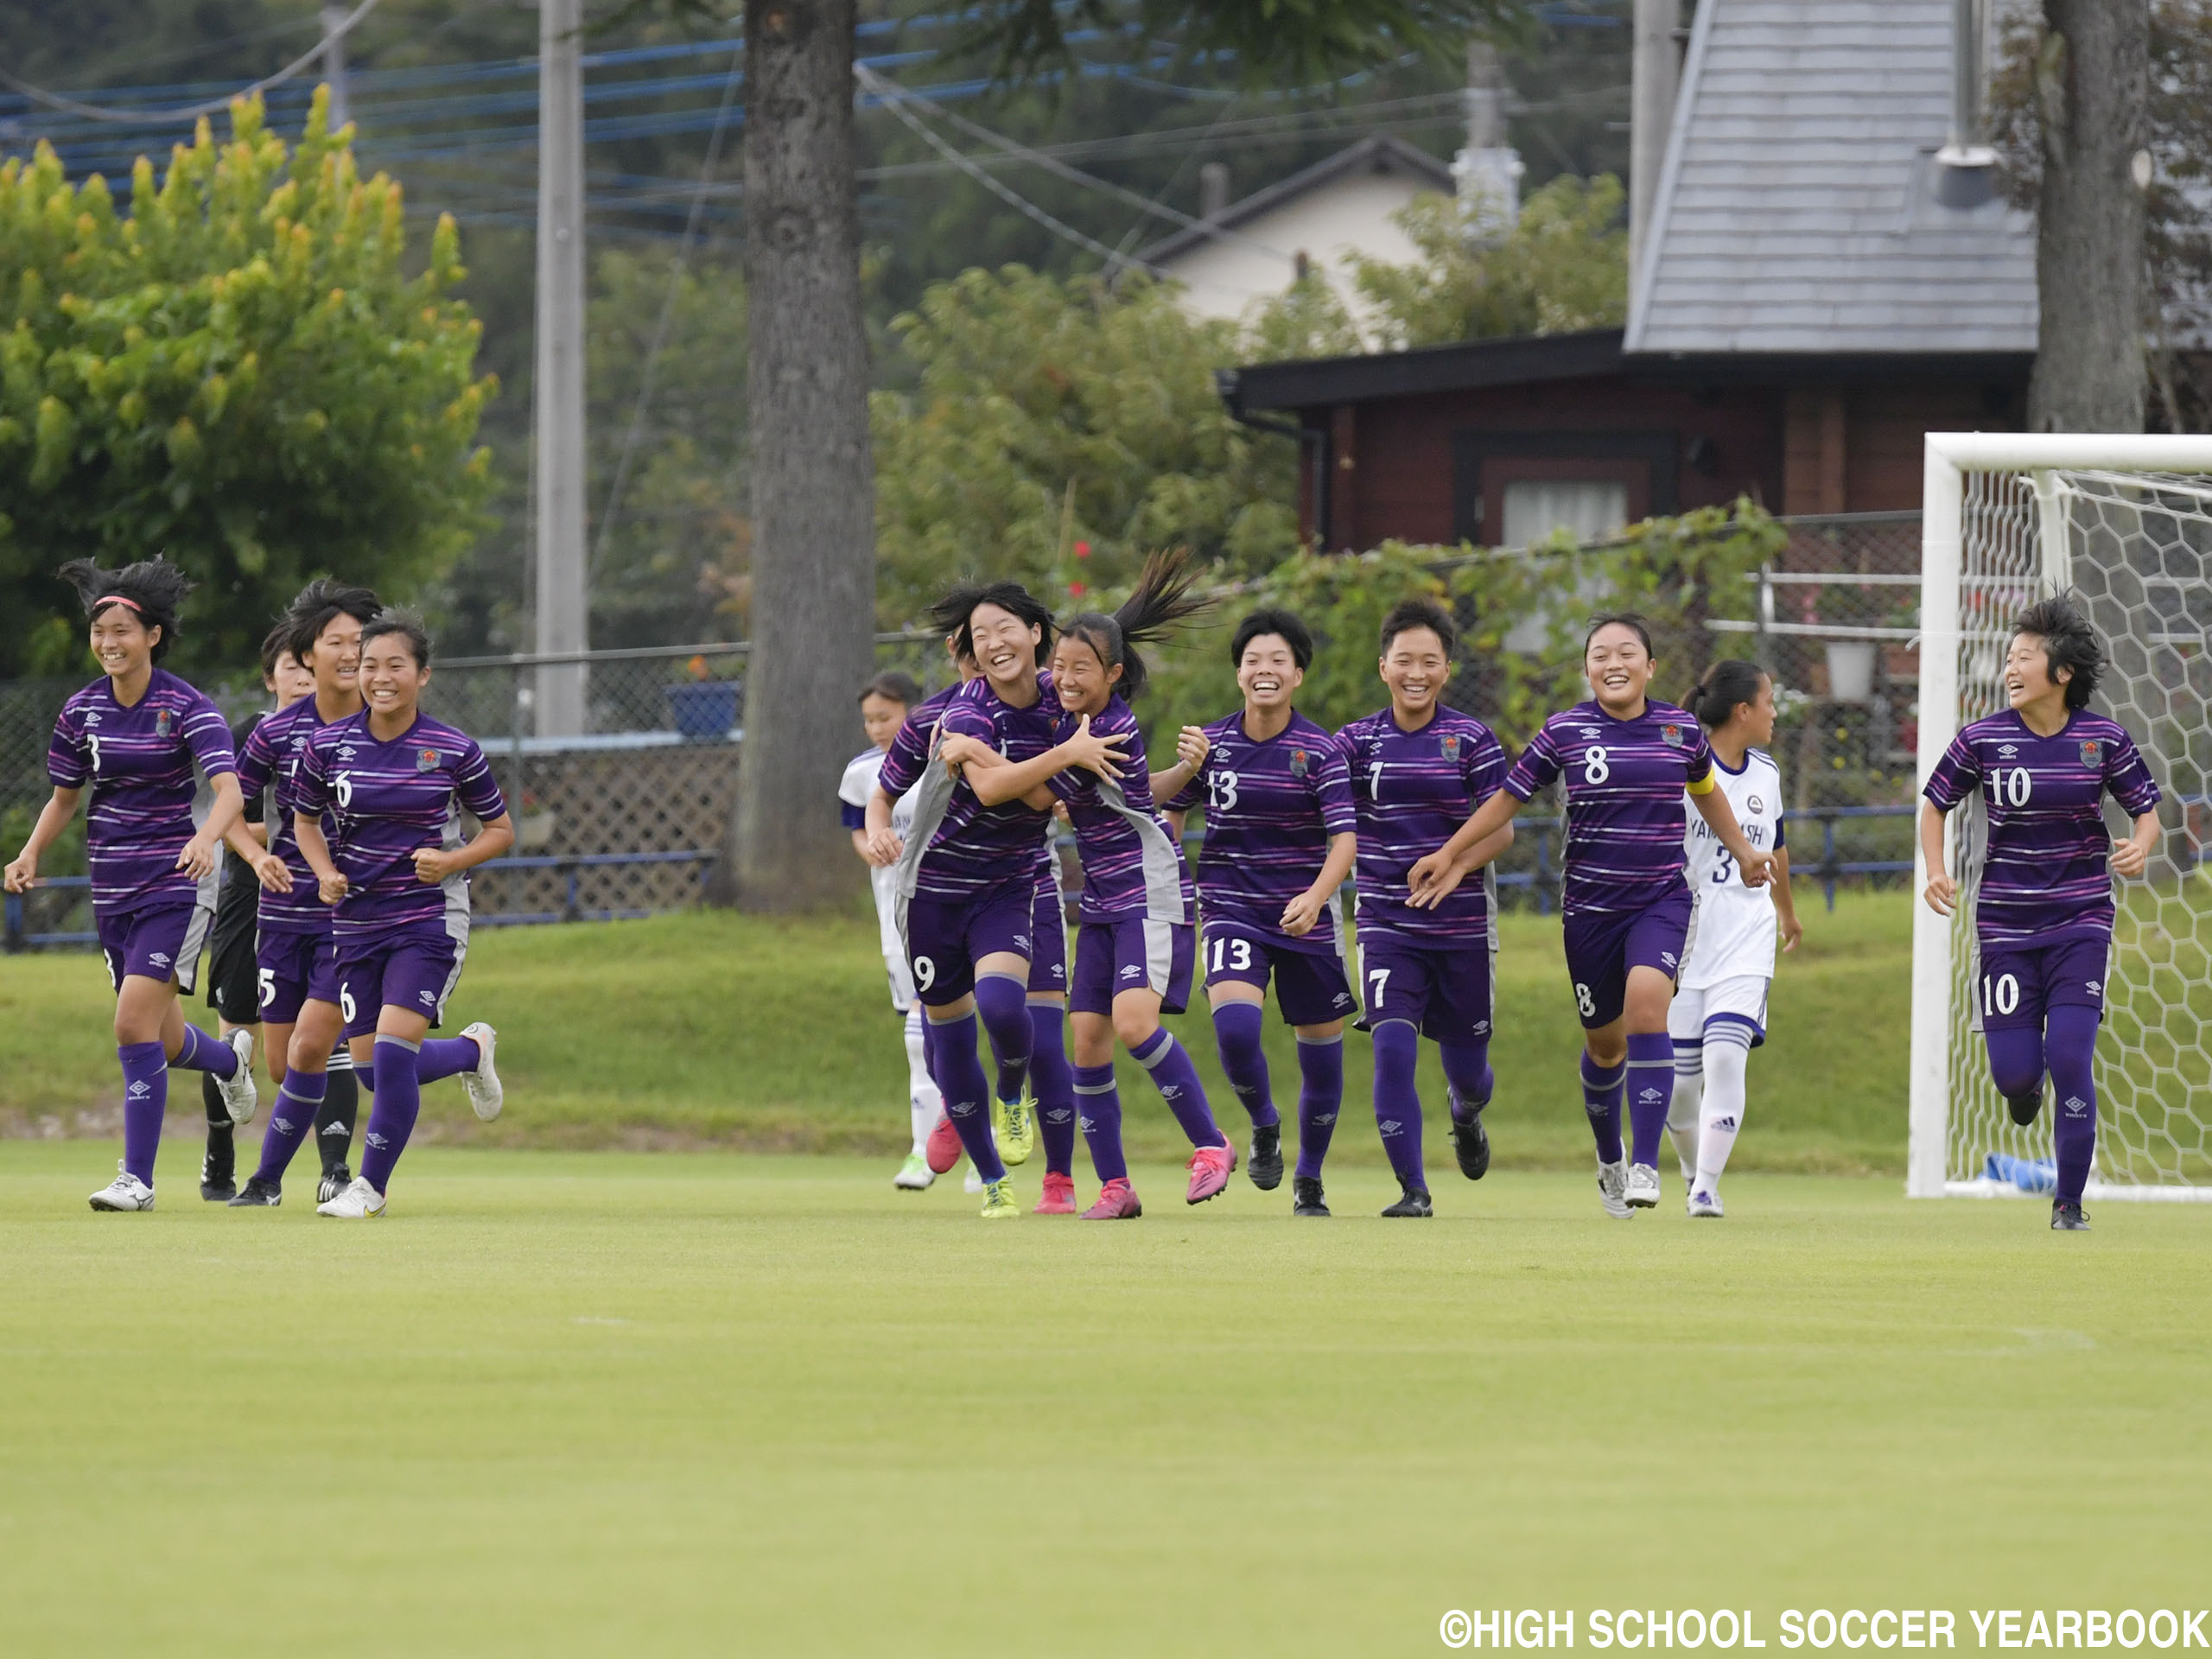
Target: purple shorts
{"x": 293, "y": 968}
{"x": 1132, "y": 954}
{"x": 1048, "y": 937}
{"x": 2020, "y": 984}
{"x": 1602, "y": 945}
{"x": 1310, "y": 986}
{"x": 946, "y": 938}
{"x": 414, "y": 971}
{"x": 1445, "y": 991}
{"x": 163, "y": 945}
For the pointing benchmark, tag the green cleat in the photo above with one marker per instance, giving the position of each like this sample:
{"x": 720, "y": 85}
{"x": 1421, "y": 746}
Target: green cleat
{"x": 999, "y": 1203}
{"x": 1015, "y": 1123}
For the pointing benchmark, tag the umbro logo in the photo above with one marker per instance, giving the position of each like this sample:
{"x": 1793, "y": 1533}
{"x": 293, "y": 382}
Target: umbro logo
{"x": 2075, "y": 1106}
{"x": 1591, "y": 731}
{"x": 1341, "y": 1000}
{"x": 140, "y": 1090}
{"x": 159, "y": 958}
{"x": 285, "y": 1126}
{"x": 1481, "y": 1027}
{"x": 2096, "y": 988}
{"x": 1171, "y": 1091}
{"x": 1322, "y": 1120}
{"x": 1086, "y": 1124}
{"x": 1389, "y": 1126}
{"x": 429, "y": 997}
{"x": 2006, "y": 751}
{"x": 376, "y": 1140}
{"x": 1058, "y": 1116}
{"x": 92, "y": 717}
{"x": 1650, "y": 1098}
{"x": 345, "y": 753}
{"x": 1133, "y": 972}
{"x": 1668, "y": 958}
{"x": 1021, "y": 943}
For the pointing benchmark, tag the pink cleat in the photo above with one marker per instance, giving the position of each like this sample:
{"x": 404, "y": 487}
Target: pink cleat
{"x": 1211, "y": 1168}
{"x": 1058, "y": 1198}
{"x": 942, "y": 1147}
{"x": 1117, "y": 1201}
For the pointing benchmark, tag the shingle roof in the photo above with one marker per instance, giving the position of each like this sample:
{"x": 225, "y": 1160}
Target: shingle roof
{"x": 1796, "y": 211}
{"x": 1379, "y": 153}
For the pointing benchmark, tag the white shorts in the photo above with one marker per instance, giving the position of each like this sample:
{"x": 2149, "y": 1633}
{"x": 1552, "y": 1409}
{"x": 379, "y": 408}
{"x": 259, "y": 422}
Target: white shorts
{"x": 894, "y": 949}
{"x": 1740, "y": 1001}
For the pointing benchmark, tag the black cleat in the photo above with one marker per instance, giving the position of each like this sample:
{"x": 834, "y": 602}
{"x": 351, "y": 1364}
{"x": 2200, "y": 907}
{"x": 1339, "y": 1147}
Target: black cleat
{"x": 2068, "y": 1217}
{"x": 336, "y": 1180}
{"x": 1416, "y": 1203}
{"x": 2024, "y": 1107}
{"x": 1265, "y": 1165}
{"x": 1306, "y": 1196}
{"x": 219, "y": 1181}
{"x": 1470, "y": 1146}
{"x": 258, "y": 1194}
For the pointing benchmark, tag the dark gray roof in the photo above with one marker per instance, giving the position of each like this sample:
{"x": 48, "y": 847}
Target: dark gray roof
{"x": 1796, "y": 211}
{"x": 1378, "y": 154}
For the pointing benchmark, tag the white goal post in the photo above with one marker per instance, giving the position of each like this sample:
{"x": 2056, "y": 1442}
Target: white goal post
{"x": 2125, "y": 521}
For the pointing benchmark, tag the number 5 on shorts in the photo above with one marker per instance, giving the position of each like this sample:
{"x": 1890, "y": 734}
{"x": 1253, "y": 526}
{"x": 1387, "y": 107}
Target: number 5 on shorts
{"x": 267, "y": 980}
{"x": 925, "y": 973}
{"x": 1377, "y": 977}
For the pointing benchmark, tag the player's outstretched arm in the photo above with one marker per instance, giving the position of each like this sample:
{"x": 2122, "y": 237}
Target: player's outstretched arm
{"x": 2131, "y": 856}
{"x": 996, "y": 779}
{"x": 1941, "y": 892}
{"x": 1433, "y": 877}
{"x": 1756, "y": 868}
{"x": 1785, "y": 902}
{"x": 1191, "y": 747}
{"x": 52, "y": 818}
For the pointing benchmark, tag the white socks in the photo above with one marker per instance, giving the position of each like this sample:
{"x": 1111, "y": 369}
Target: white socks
{"x": 1682, "y": 1115}
{"x": 1727, "y": 1052}
{"x": 923, "y": 1102}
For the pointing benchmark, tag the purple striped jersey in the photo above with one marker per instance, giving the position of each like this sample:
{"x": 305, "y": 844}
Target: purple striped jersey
{"x": 267, "y": 760}
{"x": 959, "y": 846}
{"x": 1410, "y": 791}
{"x": 388, "y": 800}
{"x": 138, "y": 762}
{"x": 2047, "y": 876}
{"x": 1625, "y": 811}
{"x": 1131, "y": 865}
{"x": 1271, "y": 807}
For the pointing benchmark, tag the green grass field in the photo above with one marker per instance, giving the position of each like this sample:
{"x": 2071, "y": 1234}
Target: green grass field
{"x": 710, "y": 1029}
{"x": 711, "y": 1403}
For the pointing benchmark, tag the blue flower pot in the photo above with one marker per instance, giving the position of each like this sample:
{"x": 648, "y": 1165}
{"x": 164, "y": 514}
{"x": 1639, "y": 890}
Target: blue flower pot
{"x": 707, "y": 709}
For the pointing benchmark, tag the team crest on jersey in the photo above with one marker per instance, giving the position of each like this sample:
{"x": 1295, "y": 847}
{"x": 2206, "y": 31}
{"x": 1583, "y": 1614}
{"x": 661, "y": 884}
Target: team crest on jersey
{"x": 1756, "y": 806}
{"x": 426, "y": 760}
{"x": 162, "y": 723}
{"x": 1671, "y": 736}
{"x": 2092, "y": 753}
{"x": 1451, "y": 747}
{"x": 1298, "y": 763}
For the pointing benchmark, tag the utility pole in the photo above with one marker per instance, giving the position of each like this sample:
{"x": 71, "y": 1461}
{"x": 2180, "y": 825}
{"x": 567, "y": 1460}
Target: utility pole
{"x": 334, "y": 66}
{"x": 559, "y": 392}
{"x": 1655, "y": 75}
{"x": 1489, "y": 169}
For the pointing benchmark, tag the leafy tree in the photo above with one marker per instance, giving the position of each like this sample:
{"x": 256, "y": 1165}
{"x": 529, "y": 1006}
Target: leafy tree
{"x": 239, "y": 372}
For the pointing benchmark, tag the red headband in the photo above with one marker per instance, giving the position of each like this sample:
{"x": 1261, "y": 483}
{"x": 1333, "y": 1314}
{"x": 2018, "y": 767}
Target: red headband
{"x": 117, "y": 599}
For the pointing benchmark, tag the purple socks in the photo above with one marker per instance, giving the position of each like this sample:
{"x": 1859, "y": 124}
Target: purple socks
{"x": 2067, "y": 1044}
{"x": 145, "y": 1098}
{"x": 1601, "y": 1099}
{"x": 200, "y": 1052}
{"x": 1099, "y": 1105}
{"x": 1055, "y": 1085}
{"x": 1650, "y": 1091}
{"x": 446, "y": 1056}
{"x": 1002, "y": 1005}
{"x": 959, "y": 1078}
{"x": 1397, "y": 1106}
{"x": 1177, "y": 1079}
{"x": 1236, "y": 1035}
{"x": 391, "y": 1117}
{"x": 291, "y": 1120}
{"x": 1320, "y": 1094}
{"x": 1467, "y": 1070}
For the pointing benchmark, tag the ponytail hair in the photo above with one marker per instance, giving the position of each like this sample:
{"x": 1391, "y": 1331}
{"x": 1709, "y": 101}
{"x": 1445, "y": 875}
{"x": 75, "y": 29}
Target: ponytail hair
{"x": 153, "y": 590}
{"x": 1162, "y": 602}
{"x": 1726, "y": 684}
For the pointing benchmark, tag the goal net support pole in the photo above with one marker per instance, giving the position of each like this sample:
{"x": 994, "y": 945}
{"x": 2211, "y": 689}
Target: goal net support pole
{"x": 1950, "y": 458}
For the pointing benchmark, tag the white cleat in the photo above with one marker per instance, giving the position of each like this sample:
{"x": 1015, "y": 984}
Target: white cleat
{"x": 1642, "y": 1192}
{"x": 126, "y": 1191}
{"x": 1704, "y": 1202}
{"x": 358, "y": 1202}
{"x": 485, "y": 1093}
{"x": 973, "y": 1183}
{"x": 240, "y": 1098}
{"x": 914, "y": 1175}
{"x": 1613, "y": 1187}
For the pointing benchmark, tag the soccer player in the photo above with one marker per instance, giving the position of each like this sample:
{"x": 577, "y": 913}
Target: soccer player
{"x": 1279, "y": 843}
{"x": 233, "y": 988}
{"x": 885, "y": 702}
{"x": 1719, "y": 1013}
{"x": 131, "y": 738}
{"x": 318, "y": 1085}
{"x": 968, "y": 874}
{"x": 1417, "y": 767}
{"x": 2044, "y": 916}
{"x": 396, "y": 782}
{"x": 1627, "y": 760}
{"x": 1136, "y": 938}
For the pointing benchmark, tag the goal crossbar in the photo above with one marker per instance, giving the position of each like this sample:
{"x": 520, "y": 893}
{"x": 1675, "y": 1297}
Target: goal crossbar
{"x": 1949, "y": 458}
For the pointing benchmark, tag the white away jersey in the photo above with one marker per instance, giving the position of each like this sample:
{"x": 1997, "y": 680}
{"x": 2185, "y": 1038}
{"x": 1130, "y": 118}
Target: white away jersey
{"x": 1732, "y": 933}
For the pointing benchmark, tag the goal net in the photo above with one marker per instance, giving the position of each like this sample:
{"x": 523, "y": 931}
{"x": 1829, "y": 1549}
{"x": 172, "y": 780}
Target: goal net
{"x": 2124, "y": 524}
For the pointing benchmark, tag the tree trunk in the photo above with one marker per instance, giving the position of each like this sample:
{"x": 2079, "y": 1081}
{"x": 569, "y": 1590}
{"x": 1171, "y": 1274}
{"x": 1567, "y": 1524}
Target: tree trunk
{"x": 813, "y": 476}
{"x": 2092, "y": 84}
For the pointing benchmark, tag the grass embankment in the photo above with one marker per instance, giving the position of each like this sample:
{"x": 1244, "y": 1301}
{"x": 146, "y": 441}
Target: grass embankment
{"x": 561, "y": 1403}
{"x": 714, "y": 1029}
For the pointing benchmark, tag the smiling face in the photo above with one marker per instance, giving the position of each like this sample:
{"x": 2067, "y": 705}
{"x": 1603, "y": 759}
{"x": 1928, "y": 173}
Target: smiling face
{"x": 1619, "y": 667}
{"x": 2027, "y": 670}
{"x": 1415, "y": 668}
{"x": 335, "y": 658}
{"x": 289, "y": 680}
{"x": 880, "y": 718}
{"x": 1006, "y": 647}
{"x": 1084, "y": 683}
{"x": 391, "y": 680}
{"x": 1268, "y": 673}
{"x": 123, "y": 642}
